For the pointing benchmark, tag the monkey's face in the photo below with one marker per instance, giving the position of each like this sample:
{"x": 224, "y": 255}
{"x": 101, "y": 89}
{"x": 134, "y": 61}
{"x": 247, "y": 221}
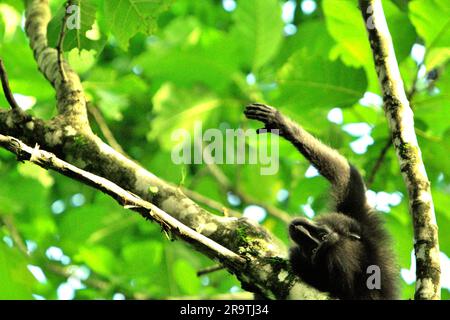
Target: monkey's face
{"x": 312, "y": 236}
{"x": 325, "y": 238}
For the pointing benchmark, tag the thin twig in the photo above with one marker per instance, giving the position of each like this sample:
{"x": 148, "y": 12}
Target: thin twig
{"x": 210, "y": 269}
{"x": 217, "y": 173}
{"x": 65, "y": 272}
{"x": 148, "y": 210}
{"x": 197, "y": 197}
{"x": 8, "y": 221}
{"x": 6, "y": 89}
{"x": 378, "y": 163}
{"x": 107, "y": 133}
{"x": 60, "y": 44}
{"x": 271, "y": 210}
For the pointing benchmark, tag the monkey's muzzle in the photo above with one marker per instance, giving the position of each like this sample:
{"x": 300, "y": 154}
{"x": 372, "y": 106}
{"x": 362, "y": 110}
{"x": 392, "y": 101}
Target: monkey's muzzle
{"x": 308, "y": 233}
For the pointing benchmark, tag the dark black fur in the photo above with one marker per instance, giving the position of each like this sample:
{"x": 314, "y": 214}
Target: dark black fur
{"x": 333, "y": 252}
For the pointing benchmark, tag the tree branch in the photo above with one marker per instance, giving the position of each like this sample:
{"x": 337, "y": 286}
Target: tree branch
{"x": 69, "y": 137}
{"x": 212, "y": 204}
{"x": 112, "y": 141}
{"x": 48, "y": 160}
{"x": 8, "y": 221}
{"x": 210, "y": 269}
{"x": 69, "y": 92}
{"x": 60, "y": 44}
{"x": 72, "y": 140}
{"x": 401, "y": 124}
{"x": 65, "y": 272}
{"x": 6, "y": 89}
{"x": 384, "y": 151}
{"x": 107, "y": 133}
{"x": 259, "y": 271}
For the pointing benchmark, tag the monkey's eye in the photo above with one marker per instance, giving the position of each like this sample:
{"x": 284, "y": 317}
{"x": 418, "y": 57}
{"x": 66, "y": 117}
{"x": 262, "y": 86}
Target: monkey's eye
{"x": 354, "y": 236}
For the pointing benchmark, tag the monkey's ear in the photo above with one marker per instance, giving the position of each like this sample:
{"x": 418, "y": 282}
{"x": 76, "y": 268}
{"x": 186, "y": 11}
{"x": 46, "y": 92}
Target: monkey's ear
{"x": 354, "y": 236}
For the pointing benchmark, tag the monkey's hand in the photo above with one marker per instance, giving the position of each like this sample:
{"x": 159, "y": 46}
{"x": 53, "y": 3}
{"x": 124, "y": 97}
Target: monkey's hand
{"x": 271, "y": 117}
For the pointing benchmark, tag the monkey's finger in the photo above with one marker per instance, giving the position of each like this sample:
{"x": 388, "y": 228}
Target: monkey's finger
{"x": 258, "y": 109}
{"x": 260, "y": 117}
{"x": 257, "y": 114}
{"x": 260, "y": 106}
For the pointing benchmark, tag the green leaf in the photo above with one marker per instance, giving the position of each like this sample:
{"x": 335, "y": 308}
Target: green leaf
{"x": 189, "y": 54}
{"x": 399, "y": 225}
{"x": 82, "y": 11}
{"x": 444, "y": 224}
{"x": 16, "y": 282}
{"x": 311, "y": 35}
{"x": 9, "y": 20}
{"x": 433, "y": 151}
{"x": 259, "y": 31}
{"x": 346, "y": 26}
{"x": 307, "y": 81}
{"x": 18, "y": 5}
{"x": 186, "y": 277}
{"x": 109, "y": 92}
{"x": 27, "y": 169}
{"x": 33, "y": 84}
{"x": 81, "y": 61}
{"x": 178, "y": 109}
{"x": 128, "y": 17}
{"x": 99, "y": 258}
{"x": 430, "y": 107}
{"x": 432, "y": 21}
{"x": 305, "y": 188}
{"x": 144, "y": 257}
{"x": 79, "y": 224}
{"x": 163, "y": 166}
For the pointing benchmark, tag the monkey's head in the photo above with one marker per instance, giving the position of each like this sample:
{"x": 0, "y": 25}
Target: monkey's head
{"x": 331, "y": 243}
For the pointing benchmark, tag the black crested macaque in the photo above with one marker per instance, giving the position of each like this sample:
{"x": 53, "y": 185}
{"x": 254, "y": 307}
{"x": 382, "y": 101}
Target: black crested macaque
{"x": 339, "y": 251}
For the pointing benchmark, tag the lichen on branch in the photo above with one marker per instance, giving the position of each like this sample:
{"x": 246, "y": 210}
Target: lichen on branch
{"x": 69, "y": 137}
{"x": 401, "y": 124}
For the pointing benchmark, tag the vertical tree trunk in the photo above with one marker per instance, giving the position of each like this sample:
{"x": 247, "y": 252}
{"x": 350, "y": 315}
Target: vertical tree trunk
{"x": 401, "y": 123}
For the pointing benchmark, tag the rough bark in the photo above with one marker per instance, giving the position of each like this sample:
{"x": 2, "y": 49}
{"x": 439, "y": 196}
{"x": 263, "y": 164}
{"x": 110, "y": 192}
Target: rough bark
{"x": 401, "y": 123}
{"x": 70, "y": 138}
{"x": 48, "y": 160}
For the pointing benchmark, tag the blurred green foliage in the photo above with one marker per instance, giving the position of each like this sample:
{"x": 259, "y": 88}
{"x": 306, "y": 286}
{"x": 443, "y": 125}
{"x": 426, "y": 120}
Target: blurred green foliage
{"x": 152, "y": 67}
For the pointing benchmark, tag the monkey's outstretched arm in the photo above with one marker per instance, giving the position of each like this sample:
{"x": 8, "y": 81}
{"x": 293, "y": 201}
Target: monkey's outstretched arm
{"x": 347, "y": 184}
